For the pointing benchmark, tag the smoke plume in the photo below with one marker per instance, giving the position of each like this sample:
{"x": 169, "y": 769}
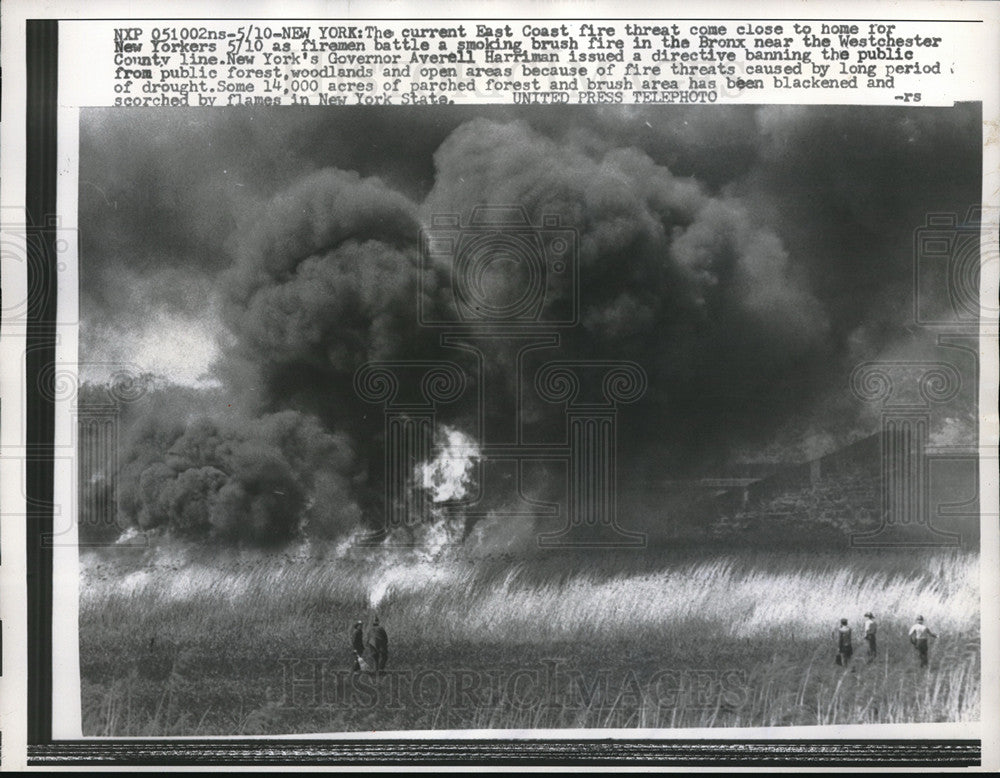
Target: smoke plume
{"x": 263, "y": 481}
{"x": 747, "y": 258}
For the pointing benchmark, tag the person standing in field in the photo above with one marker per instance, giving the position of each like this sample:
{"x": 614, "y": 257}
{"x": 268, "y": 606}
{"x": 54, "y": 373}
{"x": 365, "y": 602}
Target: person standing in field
{"x": 870, "y": 628}
{"x": 845, "y": 647}
{"x": 919, "y": 634}
{"x": 378, "y": 640}
{"x": 357, "y": 645}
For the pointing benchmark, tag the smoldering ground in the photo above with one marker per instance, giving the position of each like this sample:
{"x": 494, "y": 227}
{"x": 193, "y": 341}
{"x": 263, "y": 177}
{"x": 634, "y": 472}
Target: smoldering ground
{"x": 746, "y": 257}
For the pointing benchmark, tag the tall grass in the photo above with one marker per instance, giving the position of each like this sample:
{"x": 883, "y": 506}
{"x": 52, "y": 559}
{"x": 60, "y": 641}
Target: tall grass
{"x": 183, "y": 647}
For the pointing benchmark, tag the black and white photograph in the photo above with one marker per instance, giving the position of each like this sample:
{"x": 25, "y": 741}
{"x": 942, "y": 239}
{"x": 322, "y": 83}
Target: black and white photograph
{"x": 528, "y": 418}
{"x": 496, "y": 386}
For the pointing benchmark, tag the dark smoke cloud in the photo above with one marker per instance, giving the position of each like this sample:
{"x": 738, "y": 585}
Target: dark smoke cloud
{"x": 324, "y": 281}
{"x": 848, "y": 188}
{"x": 264, "y": 481}
{"x": 685, "y": 282}
{"x": 325, "y": 272}
{"x": 326, "y": 278}
{"x": 746, "y": 257}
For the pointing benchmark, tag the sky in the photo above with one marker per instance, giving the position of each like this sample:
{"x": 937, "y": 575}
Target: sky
{"x": 747, "y": 257}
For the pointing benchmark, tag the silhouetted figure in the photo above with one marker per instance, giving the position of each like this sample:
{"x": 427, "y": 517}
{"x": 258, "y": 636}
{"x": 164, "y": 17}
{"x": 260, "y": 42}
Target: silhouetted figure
{"x": 870, "y": 629}
{"x": 919, "y": 634}
{"x": 357, "y": 645}
{"x": 378, "y": 641}
{"x": 845, "y": 648}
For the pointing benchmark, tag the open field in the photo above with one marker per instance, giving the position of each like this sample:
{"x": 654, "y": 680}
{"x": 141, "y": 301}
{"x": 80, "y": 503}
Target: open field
{"x": 259, "y": 644}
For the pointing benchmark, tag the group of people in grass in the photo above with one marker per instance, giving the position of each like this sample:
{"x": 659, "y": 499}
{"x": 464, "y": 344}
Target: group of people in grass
{"x": 919, "y": 635}
{"x": 372, "y": 654}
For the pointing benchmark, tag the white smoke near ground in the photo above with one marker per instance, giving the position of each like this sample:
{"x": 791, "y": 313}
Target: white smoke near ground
{"x": 407, "y": 577}
{"x": 955, "y": 432}
{"x": 501, "y": 534}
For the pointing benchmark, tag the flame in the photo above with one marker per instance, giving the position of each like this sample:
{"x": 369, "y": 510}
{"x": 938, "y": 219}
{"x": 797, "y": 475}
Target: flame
{"x": 448, "y": 476}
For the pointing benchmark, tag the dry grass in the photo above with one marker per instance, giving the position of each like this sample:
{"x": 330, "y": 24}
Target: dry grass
{"x": 182, "y": 647}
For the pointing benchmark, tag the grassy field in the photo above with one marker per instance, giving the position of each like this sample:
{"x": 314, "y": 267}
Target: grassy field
{"x": 255, "y": 644}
